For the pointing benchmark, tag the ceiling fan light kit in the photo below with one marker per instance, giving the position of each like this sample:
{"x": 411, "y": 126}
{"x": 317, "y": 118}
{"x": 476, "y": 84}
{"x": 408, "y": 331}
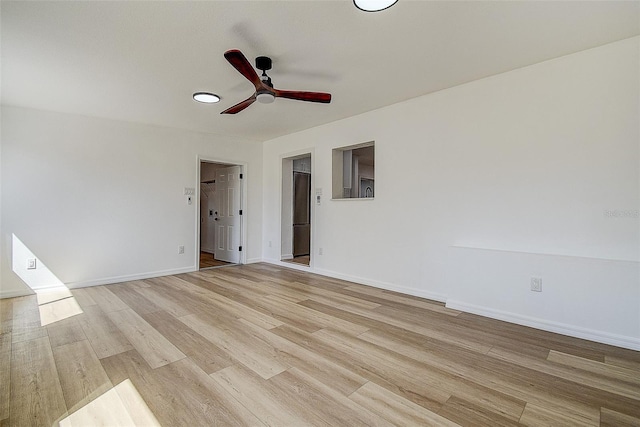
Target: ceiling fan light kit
{"x": 374, "y": 5}
{"x": 206, "y": 97}
{"x": 265, "y": 98}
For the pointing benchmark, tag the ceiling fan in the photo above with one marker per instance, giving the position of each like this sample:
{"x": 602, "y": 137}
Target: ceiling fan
{"x": 265, "y": 92}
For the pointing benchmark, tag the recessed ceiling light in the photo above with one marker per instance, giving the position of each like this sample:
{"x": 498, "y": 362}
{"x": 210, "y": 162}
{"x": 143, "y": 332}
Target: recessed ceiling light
{"x": 374, "y": 5}
{"x": 206, "y": 97}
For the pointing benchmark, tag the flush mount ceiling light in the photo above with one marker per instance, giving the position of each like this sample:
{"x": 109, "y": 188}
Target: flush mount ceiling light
{"x": 206, "y": 97}
{"x": 374, "y": 5}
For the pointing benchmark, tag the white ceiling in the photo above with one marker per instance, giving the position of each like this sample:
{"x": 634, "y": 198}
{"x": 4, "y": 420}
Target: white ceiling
{"x": 141, "y": 61}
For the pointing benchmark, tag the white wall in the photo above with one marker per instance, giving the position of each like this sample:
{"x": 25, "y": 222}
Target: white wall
{"x": 302, "y": 164}
{"x": 366, "y": 171}
{"x": 100, "y": 201}
{"x": 524, "y": 163}
{"x": 208, "y": 171}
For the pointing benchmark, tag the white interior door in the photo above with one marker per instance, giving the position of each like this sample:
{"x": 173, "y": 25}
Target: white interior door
{"x": 227, "y": 218}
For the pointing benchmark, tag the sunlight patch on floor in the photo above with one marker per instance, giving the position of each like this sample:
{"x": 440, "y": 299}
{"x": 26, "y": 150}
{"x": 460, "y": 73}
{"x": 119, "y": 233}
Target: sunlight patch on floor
{"x": 57, "y": 310}
{"x": 48, "y": 295}
{"x": 120, "y": 406}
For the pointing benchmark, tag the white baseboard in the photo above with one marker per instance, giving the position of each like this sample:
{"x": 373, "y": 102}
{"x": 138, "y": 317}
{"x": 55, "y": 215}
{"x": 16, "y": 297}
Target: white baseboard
{"x": 290, "y": 265}
{"x": 383, "y": 285}
{"x": 360, "y": 280}
{"x": 287, "y": 256}
{"x": 556, "y": 327}
{"x": 546, "y": 325}
{"x": 105, "y": 281}
{"x": 128, "y": 278}
{"x": 15, "y": 294}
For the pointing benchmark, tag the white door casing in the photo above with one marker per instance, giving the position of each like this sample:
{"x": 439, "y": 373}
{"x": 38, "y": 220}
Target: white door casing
{"x": 228, "y": 218}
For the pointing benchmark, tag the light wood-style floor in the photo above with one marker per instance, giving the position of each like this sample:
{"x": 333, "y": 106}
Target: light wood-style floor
{"x": 207, "y": 261}
{"x": 303, "y": 260}
{"x": 263, "y": 345}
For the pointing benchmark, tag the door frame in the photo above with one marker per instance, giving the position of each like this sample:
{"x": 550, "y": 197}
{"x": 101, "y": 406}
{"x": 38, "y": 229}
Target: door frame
{"x": 243, "y": 204}
{"x": 312, "y": 214}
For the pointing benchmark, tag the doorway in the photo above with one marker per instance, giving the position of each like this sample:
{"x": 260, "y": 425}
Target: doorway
{"x": 296, "y": 210}
{"x": 220, "y": 215}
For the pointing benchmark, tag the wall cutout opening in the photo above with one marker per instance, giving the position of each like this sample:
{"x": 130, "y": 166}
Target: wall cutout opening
{"x": 354, "y": 171}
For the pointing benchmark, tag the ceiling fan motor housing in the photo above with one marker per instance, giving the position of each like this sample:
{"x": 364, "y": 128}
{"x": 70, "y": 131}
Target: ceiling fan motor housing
{"x": 263, "y": 63}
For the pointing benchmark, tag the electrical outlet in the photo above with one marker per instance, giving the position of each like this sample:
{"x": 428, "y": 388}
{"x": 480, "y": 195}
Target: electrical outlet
{"x": 319, "y": 251}
{"x": 31, "y": 264}
{"x": 536, "y": 284}
{"x": 180, "y": 249}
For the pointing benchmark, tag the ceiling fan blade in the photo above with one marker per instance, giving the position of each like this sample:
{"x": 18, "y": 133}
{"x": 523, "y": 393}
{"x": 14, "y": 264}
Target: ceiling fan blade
{"x": 240, "y": 63}
{"x": 240, "y": 106}
{"x": 325, "y": 98}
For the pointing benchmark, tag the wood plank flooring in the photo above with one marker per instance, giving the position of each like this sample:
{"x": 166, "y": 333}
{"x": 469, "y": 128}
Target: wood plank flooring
{"x": 262, "y": 345}
{"x": 207, "y": 261}
{"x": 302, "y": 259}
